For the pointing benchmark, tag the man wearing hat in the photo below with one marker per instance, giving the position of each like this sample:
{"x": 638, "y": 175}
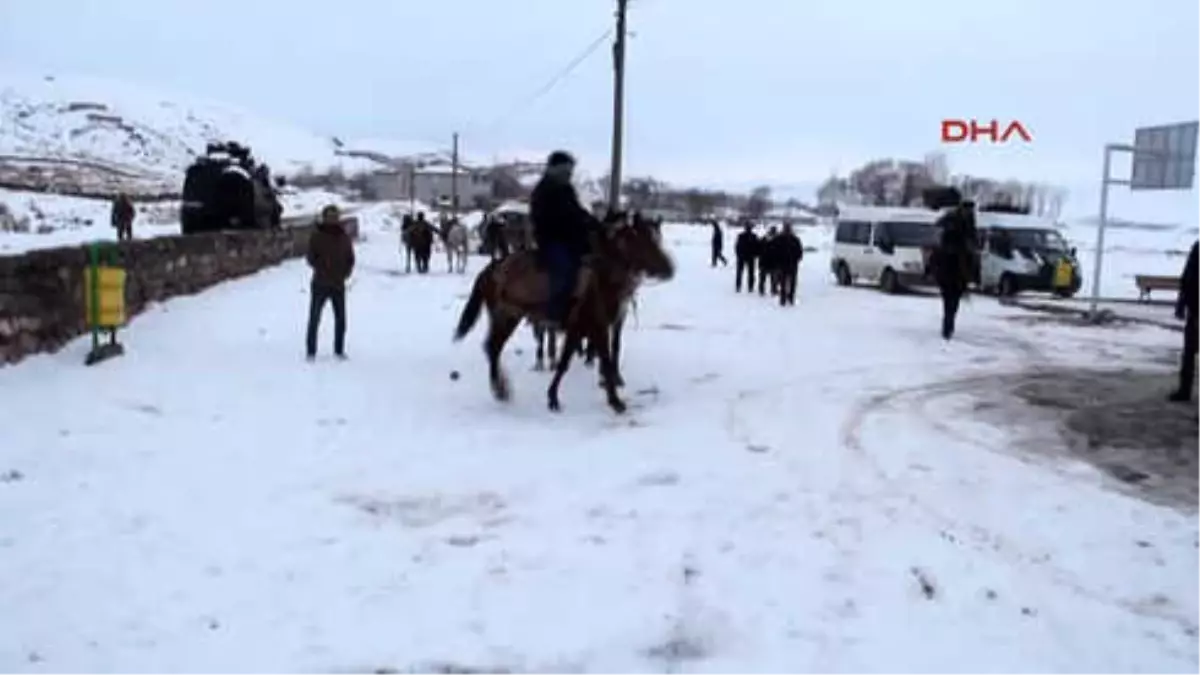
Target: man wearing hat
{"x": 331, "y": 257}
{"x": 560, "y": 229}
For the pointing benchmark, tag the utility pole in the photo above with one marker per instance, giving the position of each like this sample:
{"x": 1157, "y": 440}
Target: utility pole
{"x": 454, "y": 178}
{"x": 412, "y": 189}
{"x": 614, "y": 173}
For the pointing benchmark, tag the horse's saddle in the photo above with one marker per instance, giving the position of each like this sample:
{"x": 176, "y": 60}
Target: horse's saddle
{"x": 523, "y": 281}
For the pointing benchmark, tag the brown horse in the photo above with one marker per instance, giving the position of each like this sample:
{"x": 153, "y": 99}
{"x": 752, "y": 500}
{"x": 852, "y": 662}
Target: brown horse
{"x": 516, "y": 288}
{"x": 547, "y": 339}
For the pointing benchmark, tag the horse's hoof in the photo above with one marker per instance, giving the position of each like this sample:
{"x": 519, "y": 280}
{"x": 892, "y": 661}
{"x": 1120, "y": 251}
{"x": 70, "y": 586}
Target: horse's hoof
{"x": 554, "y": 405}
{"x": 618, "y": 406}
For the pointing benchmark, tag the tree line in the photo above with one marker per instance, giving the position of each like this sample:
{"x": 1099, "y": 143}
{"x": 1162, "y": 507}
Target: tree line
{"x": 899, "y": 182}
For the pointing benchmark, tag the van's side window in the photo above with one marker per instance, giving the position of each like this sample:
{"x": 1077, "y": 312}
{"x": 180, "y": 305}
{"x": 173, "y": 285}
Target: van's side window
{"x": 852, "y": 232}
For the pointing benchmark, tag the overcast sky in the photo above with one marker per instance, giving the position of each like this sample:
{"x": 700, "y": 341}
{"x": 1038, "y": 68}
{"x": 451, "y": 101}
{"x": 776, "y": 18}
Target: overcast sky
{"x": 718, "y": 91}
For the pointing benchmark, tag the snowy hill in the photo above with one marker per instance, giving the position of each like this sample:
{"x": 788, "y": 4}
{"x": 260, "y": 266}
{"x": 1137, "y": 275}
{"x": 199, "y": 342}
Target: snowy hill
{"x": 110, "y": 132}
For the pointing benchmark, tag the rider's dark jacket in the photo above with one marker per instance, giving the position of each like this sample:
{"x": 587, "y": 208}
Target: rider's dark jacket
{"x": 558, "y": 217}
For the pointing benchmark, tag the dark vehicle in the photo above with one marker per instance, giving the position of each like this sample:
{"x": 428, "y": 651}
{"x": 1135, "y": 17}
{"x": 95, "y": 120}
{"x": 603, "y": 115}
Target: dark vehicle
{"x": 224, "y": 190}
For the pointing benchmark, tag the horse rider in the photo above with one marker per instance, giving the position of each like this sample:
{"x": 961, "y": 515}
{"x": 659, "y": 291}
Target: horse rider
{"x": 561, "y": 231}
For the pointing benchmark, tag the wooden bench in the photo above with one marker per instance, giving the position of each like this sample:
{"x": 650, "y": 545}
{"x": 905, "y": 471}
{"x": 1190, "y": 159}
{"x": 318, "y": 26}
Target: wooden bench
{"x": 1150, "y": 282}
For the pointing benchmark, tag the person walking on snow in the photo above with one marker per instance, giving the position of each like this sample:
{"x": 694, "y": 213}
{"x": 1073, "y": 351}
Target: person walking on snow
{"x": 745, "y": 251}
{"x": 718, "y": 244}
{"x": 561, "y": 229}
{"x": 789, "y": 251}
{"x": 122, "y": 216}
{"x": 331, "y": 257}
{"x": 1185, "y": 308}
{"x": 953, "y": 261}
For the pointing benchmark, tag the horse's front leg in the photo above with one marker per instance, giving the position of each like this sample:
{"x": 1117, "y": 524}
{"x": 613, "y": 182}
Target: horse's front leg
{"x": 617, "y": 327}
{"x": 608, "y": 369}
{"x": 572, "y": 343}
{"x": 539, "y": 335}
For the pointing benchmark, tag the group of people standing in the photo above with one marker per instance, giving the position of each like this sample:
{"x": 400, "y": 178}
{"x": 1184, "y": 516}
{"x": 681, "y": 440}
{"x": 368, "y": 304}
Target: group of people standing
{"x": 773, "y": 260}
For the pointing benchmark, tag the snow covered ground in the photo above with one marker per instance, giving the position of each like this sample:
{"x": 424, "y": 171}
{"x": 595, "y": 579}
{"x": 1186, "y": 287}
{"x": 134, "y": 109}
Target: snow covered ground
{"x": 210, "y": 502}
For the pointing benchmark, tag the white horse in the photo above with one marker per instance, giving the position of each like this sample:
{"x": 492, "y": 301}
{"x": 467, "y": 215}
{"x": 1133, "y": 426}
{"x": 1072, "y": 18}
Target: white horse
{"x": 457, "y": 248}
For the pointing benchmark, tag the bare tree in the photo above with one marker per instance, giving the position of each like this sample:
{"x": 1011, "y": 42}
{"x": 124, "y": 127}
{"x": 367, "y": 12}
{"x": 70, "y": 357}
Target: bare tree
{"x": 759, "y": 202}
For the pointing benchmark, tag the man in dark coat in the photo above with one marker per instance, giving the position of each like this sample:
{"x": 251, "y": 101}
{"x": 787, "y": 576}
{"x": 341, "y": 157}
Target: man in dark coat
{"x": 745, "y": 251}
{"x": 789, "y": 251}
{"x": 718, "y": 244}
{"x": 1185, "y": 308}
{"x": 331, "y": 257}
{"x": 766, "y": 262}
{"x": 561, "y": 231}
{"x": 122, "y": 217}
{"x": 953, "y": 261}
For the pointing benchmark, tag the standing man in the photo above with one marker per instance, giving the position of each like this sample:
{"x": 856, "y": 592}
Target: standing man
{"x": 122, "y": 216}
{"x": 331, "y": 257}
{"x": 718, "y": 244}
{"x": 745, "y": 250}
{"x": 789, "y": 251}
{"x": 766, "y": 261}
{"x": 1185, "y": 308}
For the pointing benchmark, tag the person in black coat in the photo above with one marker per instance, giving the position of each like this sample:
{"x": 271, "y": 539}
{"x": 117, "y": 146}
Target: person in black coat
{"x": 789, "y": 251}
{"x": 561, "y": 228}
{"x": 718, "y": 244}
{"x": 953, "y": 261}
{"x": 1185, "y": 308}
{"x": 745, "y": 251}
{"x": 766, "y": 261}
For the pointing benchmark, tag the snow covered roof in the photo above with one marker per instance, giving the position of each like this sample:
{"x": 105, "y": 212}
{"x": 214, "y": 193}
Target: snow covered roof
{"x": 893, "y": 213}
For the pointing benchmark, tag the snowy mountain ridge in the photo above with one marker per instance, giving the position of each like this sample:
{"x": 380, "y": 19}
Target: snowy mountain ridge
{"x": 101, "y": 126}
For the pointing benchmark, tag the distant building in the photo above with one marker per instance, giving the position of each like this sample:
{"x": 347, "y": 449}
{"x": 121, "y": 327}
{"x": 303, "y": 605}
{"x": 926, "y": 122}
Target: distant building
{"x": 433, "y": 185}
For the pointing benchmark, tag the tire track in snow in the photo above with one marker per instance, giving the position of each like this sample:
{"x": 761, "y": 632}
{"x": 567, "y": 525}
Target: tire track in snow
{"x": 914, "y": 399}
{"x": 854, "y": 499}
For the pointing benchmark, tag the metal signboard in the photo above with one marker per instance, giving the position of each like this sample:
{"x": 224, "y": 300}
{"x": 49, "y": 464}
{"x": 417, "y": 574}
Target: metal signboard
{"x": 1164, "y": 157}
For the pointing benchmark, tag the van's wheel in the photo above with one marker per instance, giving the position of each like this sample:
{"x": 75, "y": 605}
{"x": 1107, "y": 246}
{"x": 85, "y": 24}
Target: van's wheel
{"x": 1007, "y": 287}
{"x": 843, "y": 275}
{"x": 889, "y": 282}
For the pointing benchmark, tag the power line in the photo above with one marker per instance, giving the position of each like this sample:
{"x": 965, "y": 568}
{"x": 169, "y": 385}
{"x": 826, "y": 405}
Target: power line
{"x": 554, "y": 81}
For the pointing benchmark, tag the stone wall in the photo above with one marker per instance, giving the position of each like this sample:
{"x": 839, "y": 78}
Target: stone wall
{"x": 41, "y": 292}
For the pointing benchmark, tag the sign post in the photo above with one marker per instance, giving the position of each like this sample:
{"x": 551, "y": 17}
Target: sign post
{"x": 104, "y": 303}
{"x": 1164, "y": 158}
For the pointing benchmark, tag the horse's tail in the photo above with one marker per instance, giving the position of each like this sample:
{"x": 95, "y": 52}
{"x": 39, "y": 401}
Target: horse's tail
{"x": 470, "y": 313}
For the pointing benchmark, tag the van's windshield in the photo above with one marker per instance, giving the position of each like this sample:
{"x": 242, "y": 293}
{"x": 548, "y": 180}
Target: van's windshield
{"x": 906, "y": 235}
{"x": 1038, "y": 239}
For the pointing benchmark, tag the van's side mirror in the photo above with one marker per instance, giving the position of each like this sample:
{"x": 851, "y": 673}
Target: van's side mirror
{"x": 885, "y": 245}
